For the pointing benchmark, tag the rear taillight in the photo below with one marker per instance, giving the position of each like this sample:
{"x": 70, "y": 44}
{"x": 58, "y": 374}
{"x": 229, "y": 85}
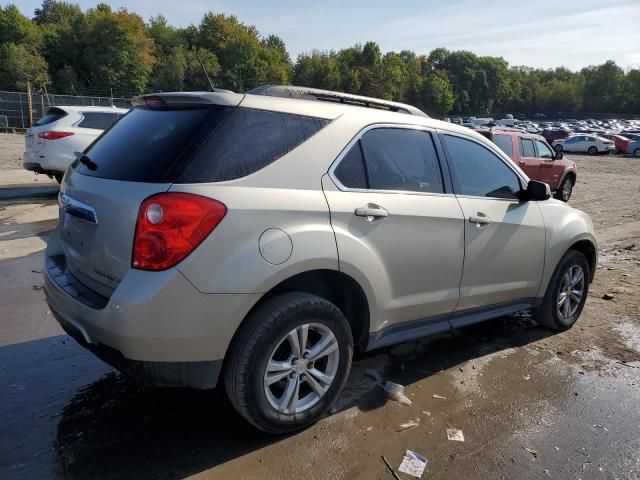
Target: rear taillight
{"x": 54, "y": 135}
{"x": 170, "y": 226}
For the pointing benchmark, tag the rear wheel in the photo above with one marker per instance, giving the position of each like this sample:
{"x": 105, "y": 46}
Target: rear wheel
{"x": 636, "y": 153}
{"x": 558, "y": 148}
{"x": 565, "y": 189}
{"x": 289, "y": 362}
{"x": 592, "y": 150}
{"x": 566, "y": 294}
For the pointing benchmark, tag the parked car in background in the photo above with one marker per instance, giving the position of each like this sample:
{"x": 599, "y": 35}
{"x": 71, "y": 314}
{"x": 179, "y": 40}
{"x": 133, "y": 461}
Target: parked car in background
{"x": 590, "y": 144}
{"x": 262, "y": 238}
{"x": 620, "y": 143}
{"x": 533, "y": 154}
{"x": 634, "y": 148}
{"x": 50, "y": 145}
{"x": 552, "y": 134}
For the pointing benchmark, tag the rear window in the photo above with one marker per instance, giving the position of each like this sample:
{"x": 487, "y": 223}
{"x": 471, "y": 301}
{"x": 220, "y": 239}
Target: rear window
{"x": 53, "y": 115}
{"x": 504, "y": 143}
{"x": 98, "y": 120}
{"x": 195, "y": 145}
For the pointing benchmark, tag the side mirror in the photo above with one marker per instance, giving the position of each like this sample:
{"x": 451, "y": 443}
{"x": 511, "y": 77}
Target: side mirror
{"x": 536, "y": 191}
{"x": 558, "y": 156}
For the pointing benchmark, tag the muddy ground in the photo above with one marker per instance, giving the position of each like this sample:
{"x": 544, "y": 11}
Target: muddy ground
{"x": 531, "y": 404}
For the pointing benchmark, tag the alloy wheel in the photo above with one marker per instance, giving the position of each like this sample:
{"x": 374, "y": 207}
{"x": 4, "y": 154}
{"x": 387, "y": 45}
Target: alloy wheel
{"x": 571, "y": 292}
{"x": 301, "y": 368}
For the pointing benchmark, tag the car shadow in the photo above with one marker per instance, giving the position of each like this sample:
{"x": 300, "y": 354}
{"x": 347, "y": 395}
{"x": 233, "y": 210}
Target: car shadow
{"x": 71, "y": 416}
{"x": 116, "y": 428}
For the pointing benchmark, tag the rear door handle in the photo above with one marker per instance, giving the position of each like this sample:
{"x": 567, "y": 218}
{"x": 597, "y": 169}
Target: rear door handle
{"x": 371, "y": 212}
{"x": 480, "y": 219}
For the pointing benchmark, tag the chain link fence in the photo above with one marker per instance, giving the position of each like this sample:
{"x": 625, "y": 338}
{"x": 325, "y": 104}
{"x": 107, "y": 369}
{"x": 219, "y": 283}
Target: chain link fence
{"x": 14, "y": 106}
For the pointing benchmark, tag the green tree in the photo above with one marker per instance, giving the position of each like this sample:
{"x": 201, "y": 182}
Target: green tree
{"x": 20, "y": 63}
{"x": 317, "y": 69}
{"x": 117, "y": 53}
{"x": 603, "y": 87}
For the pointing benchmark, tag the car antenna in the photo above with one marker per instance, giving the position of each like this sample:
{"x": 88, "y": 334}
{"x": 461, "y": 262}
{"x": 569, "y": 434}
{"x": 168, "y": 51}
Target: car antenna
{"x": 205, "y": 72}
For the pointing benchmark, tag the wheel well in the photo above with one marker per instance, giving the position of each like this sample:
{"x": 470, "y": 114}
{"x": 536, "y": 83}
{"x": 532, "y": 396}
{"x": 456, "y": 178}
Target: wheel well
{"x": 338, "y": 288}
{"x": 572, "y": 176}
{"x": 588, "y": 250}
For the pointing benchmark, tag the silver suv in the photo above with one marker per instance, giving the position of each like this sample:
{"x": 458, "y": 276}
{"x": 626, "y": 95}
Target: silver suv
{"x": 261, "y": 238}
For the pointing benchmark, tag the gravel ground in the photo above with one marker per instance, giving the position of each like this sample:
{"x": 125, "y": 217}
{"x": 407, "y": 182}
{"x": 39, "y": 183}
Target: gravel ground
{"x": 532, "y": 404}
{"x": 11, "y": 150}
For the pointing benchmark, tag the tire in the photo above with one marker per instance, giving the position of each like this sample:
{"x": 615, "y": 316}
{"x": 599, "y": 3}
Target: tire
{"x": 58, "y": 177}
{"x": 565, "y": 189}
{"x": 264, "y": 336}
{"x": 636, "y": 153}
{"x": 592, "y": 151}
{"x": 548, "y": 313}
{"x": 558, "y": 148}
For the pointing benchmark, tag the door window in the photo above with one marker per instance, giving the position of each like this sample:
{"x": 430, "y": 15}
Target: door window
{"x": 401, "y": 159}
{"x": 543, "y": 150}
{"x": 350, "y": 172}
{"x": 526, "y": 148}
{"x": 479, "y": 172}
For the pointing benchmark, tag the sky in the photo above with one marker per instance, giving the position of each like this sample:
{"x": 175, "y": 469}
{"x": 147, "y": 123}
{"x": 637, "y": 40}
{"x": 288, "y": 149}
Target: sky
{"x": 539, "y": 33}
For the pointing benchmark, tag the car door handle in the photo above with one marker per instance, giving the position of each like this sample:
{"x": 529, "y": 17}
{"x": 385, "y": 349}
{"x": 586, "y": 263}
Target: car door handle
{"x": 371, "y": 212}
{"x": 480, "y": 219}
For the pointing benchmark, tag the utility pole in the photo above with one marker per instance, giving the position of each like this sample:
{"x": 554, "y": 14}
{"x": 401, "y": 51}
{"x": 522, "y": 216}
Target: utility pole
{"x": 29, "y": 104}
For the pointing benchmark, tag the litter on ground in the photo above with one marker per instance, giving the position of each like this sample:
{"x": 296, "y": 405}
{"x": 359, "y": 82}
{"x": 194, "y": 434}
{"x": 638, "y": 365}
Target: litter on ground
{"x": 455, "y": 435}
{"x": 396, "y": 392}
{"x": 413, "y": 464}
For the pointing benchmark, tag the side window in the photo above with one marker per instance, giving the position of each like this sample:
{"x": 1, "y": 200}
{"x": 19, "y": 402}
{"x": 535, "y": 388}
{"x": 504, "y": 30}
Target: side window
{"x": 479, "y": 172}
{"x": 97, "y": 120}
{"x": 505, "y": 143}
{"x": 402, "y": 159}
{"x": 351, "y": 171}
{"x": 543, "y": 150}
{"x": 526, "y": 148}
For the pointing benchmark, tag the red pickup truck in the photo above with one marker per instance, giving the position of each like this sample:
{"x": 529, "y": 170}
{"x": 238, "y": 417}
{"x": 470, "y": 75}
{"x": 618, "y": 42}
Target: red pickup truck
{"x": 539, "y": 161}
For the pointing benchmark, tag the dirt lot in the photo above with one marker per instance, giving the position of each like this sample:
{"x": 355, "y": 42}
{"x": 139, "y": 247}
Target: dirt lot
{"x": 531, "y": 404}
{"x": 11, "y": 150}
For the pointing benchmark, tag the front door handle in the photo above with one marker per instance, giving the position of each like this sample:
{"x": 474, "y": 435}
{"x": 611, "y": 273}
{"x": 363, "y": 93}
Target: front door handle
{"x": 480, "y": 219}
{"x": 371, "y": 212}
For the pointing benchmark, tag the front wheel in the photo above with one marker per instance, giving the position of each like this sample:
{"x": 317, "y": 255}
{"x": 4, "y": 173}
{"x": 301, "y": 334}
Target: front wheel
{"x": 566, "y": 293}
{"x": 565, "y": 189}
{"x": 289, "y": 362}
{"x": 592, "y": 150}
{"x": 558, "y": 148}
{"x": 636, "y": 153}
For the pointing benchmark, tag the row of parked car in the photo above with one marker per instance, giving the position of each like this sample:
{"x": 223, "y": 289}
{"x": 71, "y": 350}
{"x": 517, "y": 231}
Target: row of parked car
{"x": 587, "y": 136}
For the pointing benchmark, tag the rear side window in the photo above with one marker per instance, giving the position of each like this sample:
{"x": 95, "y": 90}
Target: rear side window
{"x": 53, "y": 115}
{"x": 195, "y": 145}
{"x": 478, "y": 172}
{"x": 526, "y": 147}
{"x": 246, "y": 142}
{"x": 98, "y": 120}
{"x": 402, "y": 159}
{"x": 504, "y": 143}
{"x": 350, "y": 171}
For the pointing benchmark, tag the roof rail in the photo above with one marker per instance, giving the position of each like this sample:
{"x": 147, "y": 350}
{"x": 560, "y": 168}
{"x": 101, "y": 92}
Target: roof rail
{"x": 307, "y": 93}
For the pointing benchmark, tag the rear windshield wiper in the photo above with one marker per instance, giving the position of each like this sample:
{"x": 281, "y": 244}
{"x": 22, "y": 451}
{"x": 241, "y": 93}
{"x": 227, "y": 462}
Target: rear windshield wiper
{"x": 86, "y": 161}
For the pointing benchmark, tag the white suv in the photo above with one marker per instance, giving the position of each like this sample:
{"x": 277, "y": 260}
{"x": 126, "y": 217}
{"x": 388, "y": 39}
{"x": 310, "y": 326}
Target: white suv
{"x": 52, "y": 142}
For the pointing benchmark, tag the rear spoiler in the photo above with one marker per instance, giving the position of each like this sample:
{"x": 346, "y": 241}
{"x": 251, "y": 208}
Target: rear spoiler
{"x": 218, "y": 97}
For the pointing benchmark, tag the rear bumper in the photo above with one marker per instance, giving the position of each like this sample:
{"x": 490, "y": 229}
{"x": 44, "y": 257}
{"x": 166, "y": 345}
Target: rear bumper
{"x": 156, "y": 327}
{"x": 36, "y": 167}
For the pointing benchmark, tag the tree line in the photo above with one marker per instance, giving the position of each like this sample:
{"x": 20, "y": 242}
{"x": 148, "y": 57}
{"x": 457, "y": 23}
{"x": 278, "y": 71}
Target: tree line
{"x": 102, "y": 51}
